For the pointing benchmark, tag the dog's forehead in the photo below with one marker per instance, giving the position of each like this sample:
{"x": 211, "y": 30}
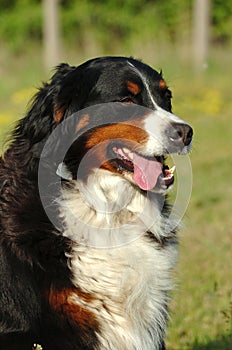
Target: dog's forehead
{"x": 121, "y": 70}
{"x": 140, "y": 68}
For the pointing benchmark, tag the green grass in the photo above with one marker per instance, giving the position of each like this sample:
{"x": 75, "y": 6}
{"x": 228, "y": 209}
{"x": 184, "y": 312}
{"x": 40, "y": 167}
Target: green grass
{"x": 201, "y": 310}
{"x": 202, "y": 305}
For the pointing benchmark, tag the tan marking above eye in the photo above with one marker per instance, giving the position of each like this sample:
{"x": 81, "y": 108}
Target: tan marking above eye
{"x": 162, "y": 84}
{"x": 133, "y": 88}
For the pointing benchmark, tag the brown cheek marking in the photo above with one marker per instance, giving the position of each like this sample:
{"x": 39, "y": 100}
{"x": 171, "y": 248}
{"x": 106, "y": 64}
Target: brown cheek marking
{"x": 83, "y": 122}
{"x": 129, "y": 135}
{"x": 61, "y": 301}
{"x": 162, "y": 84}
{"x": 133, "y": 87}
{"x": 133, "y": 131}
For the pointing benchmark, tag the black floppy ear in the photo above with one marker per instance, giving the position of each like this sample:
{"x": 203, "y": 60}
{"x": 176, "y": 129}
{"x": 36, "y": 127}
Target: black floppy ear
{"x": 63, "y": 85}
{"x": 64, "y": 94}
{"x": 44, "y": 112}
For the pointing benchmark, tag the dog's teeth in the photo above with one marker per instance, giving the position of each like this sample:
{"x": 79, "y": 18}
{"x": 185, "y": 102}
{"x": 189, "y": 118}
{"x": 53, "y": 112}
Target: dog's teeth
{"x": 120, "y": 152}
{"x": 126, "y": 150}
{"x": 124, "y": 153}
{"x": 172, "y": 169}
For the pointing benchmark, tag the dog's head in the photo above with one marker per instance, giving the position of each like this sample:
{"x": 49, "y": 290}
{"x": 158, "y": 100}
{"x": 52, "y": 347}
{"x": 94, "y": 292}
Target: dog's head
{"x": 130, "y": 136}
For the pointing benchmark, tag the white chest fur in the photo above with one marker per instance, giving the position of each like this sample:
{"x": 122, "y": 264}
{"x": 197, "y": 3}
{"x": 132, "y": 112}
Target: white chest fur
{"x": 129, "y": 277}
{"x": 131, "y": 285}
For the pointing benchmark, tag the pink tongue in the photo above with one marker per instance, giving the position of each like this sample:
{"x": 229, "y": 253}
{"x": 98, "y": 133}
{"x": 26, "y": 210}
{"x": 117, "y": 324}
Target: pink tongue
{"x": 146, "y": 172}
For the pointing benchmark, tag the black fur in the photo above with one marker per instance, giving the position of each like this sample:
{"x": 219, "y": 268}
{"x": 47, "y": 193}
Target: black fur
{"x": 32, "y": 254}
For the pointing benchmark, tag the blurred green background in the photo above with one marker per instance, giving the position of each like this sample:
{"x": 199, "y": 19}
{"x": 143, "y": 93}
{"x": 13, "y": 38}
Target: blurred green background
{"x": 161, "y": 34}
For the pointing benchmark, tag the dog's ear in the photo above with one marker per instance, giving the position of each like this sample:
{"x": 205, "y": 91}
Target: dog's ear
{"x": 44, "y": 113}
{"x": 68, "y": 89}
{"x": 64, "y": 84}
{"x": 65, "y": 94}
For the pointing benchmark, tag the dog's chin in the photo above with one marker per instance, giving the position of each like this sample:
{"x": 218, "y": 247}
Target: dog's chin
{"x": 162, "y": 189}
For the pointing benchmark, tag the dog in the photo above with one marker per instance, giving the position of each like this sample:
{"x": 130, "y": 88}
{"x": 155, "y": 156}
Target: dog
{"x": 87, "y": 245}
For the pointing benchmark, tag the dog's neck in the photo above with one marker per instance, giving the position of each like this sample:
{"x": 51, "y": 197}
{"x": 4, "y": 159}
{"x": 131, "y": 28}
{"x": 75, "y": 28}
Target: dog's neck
{"x": 129, "y": 276}
{"x": 107, "y": 210}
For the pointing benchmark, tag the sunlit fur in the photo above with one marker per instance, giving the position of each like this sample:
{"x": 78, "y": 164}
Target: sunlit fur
{"x": 99, "y": 279}
{"x": 130, "y": 274}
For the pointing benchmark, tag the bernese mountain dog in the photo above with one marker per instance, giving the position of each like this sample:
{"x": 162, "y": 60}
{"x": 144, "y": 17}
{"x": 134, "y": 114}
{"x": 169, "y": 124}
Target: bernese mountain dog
{"x": 87, "y": 246}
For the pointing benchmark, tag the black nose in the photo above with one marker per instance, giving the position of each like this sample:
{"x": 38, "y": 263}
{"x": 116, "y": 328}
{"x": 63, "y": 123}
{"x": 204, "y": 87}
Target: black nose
{"x": 181, "y": 134}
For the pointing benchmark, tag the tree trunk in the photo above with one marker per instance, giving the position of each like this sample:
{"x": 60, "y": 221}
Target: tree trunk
{"x": 51, "y": 33}
{"x": 201, "y": 33}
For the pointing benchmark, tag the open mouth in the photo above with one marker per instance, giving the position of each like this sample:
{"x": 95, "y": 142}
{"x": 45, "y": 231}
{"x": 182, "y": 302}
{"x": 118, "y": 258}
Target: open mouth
{"x": 147, "y": 172}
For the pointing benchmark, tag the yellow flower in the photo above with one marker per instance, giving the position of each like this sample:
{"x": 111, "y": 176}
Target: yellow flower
{"x": 5, "y": 118}
{"x": 22, "y": 96}
{"x": 211, "y": 102}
